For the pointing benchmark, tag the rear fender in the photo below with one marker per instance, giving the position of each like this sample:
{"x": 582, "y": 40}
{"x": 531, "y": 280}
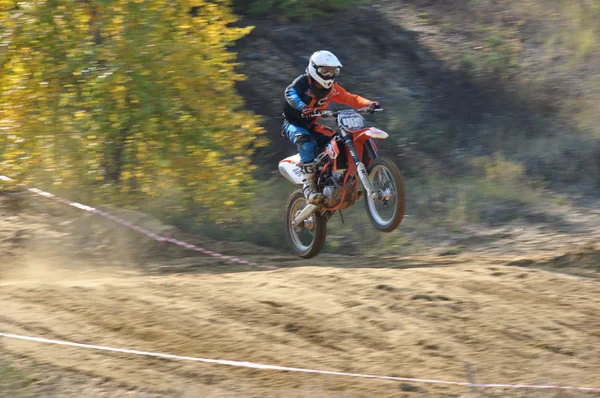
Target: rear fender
{"x": 288, "y": 168}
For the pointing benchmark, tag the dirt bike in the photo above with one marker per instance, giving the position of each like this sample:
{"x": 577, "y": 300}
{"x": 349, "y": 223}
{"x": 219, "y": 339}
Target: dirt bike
{"x": 350, "y": 156}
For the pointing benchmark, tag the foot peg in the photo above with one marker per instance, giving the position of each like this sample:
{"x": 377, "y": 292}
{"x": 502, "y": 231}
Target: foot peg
{"x": 315, "y": 198}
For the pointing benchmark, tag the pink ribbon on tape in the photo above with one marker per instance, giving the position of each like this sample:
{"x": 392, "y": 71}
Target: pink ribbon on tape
{"x": 140, "y": 229}
{"x": 290, "y": 369}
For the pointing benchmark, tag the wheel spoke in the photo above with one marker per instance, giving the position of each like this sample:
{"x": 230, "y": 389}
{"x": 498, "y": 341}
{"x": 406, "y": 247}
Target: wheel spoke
{"x": 302, "y": 237}
{"x": 307, "y": 238}
{"x": 386, "y": 210}
{"x": 383, "y": 210}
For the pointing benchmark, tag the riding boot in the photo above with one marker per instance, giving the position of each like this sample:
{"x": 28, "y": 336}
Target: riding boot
{"x": 310, "y": 187}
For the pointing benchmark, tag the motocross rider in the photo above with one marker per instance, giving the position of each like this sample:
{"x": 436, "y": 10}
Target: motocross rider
{"x": 314, "y": 90}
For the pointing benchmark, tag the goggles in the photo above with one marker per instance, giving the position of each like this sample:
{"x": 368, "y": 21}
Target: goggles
{"x": 329, "y": 70}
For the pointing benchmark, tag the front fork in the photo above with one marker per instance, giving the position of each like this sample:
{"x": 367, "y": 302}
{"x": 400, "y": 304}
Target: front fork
{"x": 304, "y": 214}
{"x": 361, "y": 169}
{"x": 364, "y": 177}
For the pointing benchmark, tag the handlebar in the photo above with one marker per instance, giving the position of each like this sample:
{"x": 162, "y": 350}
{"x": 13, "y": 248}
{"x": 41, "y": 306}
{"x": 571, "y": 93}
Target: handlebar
{"x": 330, "y": 113}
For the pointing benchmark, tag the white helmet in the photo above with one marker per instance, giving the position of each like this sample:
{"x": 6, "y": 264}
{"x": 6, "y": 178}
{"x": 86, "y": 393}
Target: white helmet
{"x": 323, "y": 66}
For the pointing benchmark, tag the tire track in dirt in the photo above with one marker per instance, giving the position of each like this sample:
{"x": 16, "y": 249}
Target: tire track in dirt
{"x": 410, "y": 317}
{"x": 419, "y": 323}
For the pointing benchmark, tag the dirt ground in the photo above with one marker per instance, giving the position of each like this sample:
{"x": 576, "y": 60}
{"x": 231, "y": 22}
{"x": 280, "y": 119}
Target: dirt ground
{"x": 490, "y": 318}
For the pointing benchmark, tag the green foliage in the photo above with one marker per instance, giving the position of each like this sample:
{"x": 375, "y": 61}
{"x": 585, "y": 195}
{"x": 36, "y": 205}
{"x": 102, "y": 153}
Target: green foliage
{"x": 498, "y": 170}
{"x": 424, "y": 18}
{"x": 497, "y": 190}
{"x": 563, "y": 160}
{"x": 579, "y": 23}
{"x": 264, "y": 224}
{"x": 453, "y": 251}
{"x": 126, "y": 100}
{"x": 300, "y": 10}
{"x": 499, "y": 55}
{"x": 500, "y": 182}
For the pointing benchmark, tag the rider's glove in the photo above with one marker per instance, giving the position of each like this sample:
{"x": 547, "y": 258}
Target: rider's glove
{"x": 374, "y": 105}
{"x": 307, "y": 112}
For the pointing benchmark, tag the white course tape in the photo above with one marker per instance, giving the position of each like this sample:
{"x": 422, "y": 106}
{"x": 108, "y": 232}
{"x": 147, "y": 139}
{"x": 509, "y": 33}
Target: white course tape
{"x": 138, "y": 228}
{"x": 289, "y": 369}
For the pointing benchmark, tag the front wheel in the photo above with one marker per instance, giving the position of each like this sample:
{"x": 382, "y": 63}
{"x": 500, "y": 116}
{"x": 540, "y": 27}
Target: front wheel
{"x": 307, "y": 239}
{"x": 387, "y": 211}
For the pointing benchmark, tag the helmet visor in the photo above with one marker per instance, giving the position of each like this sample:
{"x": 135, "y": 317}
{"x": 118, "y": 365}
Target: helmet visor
{"x": 328, "y": 71}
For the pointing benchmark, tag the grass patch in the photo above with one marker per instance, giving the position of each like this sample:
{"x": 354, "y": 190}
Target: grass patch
{"x": 453, "y": 251}
{"x": 496, "y": 191}
{"x": 13, "y": 383}
{"x": 264, "y": 226}
{"x": 424, "y": 19}
{"x": 355, "y": 235}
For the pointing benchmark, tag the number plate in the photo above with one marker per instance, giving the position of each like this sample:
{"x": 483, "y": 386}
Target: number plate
{"x": 352, "y": 122}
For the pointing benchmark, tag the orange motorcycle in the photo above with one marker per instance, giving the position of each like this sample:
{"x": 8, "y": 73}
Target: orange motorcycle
{"x": 350, "y": 156}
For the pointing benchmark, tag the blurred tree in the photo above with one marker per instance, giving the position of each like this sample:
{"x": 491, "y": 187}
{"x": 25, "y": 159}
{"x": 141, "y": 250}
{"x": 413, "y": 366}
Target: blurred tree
{"x": 301, "y": 10}
{"x": 130, "y": 98}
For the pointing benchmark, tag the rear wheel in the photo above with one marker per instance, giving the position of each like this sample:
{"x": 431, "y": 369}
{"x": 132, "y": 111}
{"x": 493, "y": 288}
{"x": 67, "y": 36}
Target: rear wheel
{"x": 307, "y": 239}
{"x": 386, "y": 213}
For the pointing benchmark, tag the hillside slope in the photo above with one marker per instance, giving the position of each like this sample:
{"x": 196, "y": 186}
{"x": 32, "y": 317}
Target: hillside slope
{"x": 458, "y": 80}
{"x": 490, "y": 108}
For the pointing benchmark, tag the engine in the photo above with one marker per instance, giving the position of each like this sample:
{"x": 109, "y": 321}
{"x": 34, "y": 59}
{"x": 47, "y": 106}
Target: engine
{"x": 333, "y": 189}
{"x": 332, "y": 194}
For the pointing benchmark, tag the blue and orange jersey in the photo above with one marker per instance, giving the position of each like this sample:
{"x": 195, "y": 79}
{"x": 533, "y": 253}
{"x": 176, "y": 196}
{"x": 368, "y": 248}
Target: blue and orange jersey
{"x": 302, "y": 93}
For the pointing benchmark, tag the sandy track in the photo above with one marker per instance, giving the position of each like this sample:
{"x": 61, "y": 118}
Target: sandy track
{"x": 514, "y": 325}
{"x": 420, "y": 317}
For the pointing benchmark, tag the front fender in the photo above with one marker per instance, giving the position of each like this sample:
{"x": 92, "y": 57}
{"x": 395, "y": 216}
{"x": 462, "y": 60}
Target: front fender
{"x": 361, "y": 136}
{"x": 374, "y": 132}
